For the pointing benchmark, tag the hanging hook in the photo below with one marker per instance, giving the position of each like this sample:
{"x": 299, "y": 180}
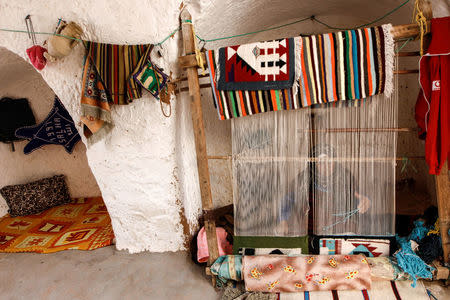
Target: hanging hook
{"x": 57, "y": 25}
{"x": 30, "y": 29}
{"x": 202, "y": 47}
{"x": 159, "y": 49}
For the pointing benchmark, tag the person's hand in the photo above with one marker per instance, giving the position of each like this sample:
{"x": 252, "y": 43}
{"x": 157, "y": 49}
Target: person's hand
{"x": 364, "y": 203}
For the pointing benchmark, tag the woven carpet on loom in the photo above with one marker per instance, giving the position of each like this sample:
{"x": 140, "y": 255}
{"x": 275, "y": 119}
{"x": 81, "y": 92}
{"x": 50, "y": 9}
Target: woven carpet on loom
{"x": 83, "y": 224}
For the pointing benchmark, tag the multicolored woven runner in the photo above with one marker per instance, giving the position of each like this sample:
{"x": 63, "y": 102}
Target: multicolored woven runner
{"x": 328, "y": 68}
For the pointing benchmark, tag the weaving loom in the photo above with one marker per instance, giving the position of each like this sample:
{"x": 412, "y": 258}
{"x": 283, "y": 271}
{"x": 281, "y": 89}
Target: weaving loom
{"x": 239, "y": 103}
{"x": 274, "y": 164}
{"x": 337, "y": 159}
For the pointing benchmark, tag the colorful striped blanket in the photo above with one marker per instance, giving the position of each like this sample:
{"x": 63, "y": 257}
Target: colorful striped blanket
{"x": 332, "y": 67}
{"x": 107, "y": 80}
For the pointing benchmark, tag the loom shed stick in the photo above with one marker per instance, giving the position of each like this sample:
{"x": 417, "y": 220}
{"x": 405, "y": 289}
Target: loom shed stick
{"x": 313, "y": 159}
{"x": 398, "y": 31}
{"x": 199, "y": 135}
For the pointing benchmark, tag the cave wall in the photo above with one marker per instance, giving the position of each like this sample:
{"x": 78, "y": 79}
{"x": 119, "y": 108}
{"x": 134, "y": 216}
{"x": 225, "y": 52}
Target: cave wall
{"x": 146, "y": 167}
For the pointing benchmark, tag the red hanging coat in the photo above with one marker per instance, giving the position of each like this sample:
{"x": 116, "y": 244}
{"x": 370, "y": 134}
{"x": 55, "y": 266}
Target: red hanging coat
{"x": 433, "y": 103}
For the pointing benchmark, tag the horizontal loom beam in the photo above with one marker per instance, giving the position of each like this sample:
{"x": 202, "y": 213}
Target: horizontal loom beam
{"x": 398, "y": 31}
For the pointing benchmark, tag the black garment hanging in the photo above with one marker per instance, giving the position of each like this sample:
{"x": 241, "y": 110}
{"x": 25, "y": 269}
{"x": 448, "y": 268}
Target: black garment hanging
{"x": 14, "y": 113}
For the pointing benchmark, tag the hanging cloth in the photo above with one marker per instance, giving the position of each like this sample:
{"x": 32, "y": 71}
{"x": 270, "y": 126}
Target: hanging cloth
{"x": 107, "y": 80}
{"x": 433, "y": 107}
{"x": 293, "y": 274}
{"x": 346, "y": 65}
{"x": 319, "y": 69}
{"x": 57, "y": 128}
{"x": 257, "y": 66}
{"x": 14, "y": 113}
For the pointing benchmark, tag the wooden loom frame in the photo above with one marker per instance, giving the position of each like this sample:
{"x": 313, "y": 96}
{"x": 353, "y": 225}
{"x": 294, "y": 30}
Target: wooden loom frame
{"x": 190, "y": 64}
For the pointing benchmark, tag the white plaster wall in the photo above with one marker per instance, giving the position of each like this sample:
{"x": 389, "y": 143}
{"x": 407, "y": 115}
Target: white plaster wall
{"x": 18, "y": 79}
{"x": 135, "y": 166}
{"x": 146, "y": 168}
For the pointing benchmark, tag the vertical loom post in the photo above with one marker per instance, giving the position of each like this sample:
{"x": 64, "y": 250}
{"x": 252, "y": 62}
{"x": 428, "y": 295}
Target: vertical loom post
{"x": 443, "y": 198}
{"x": 199, "y": 135}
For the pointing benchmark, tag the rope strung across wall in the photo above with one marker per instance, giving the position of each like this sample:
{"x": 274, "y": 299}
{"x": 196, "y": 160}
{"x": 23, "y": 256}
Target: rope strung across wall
{"x": 173, "y": 32}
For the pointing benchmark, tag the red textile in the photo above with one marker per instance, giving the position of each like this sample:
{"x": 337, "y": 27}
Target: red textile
{"x": 433, "y": 106}
{"x": 36, "y": 55}
{"x": 222, "y": 244}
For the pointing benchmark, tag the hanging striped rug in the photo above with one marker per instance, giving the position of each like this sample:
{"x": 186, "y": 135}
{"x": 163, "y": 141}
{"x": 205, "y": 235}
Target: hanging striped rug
{"x": 330, "y": 68}
{"x": 346, "y": 65}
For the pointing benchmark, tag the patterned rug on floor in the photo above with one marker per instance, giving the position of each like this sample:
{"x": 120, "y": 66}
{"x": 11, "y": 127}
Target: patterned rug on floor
{"x": 381, "y": 290}
{"x": 83, "y": 224}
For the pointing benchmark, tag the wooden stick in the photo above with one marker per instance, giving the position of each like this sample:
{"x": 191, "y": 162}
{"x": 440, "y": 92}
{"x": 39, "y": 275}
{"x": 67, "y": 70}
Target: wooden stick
{"x": 407, "y": 31}
{"x": 408, "y": 53}
{"x": 398, "y": 32}
{"x": 404, "y": 129}
{"x": 313, "y": 159}
{"x": 400, "y": 72}
{"x": 199, "y": 135}
{"x": 189, "y": 60}
{"x": 443, "y": 199}
{"x": 215, "y": 214}
{"x": 186, "y": 89}
{"x": 224, "y": 157}
{"x": 184, "y": 78}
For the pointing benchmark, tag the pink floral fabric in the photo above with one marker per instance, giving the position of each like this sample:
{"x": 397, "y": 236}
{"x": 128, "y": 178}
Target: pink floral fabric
{"x": 291, "y": 274}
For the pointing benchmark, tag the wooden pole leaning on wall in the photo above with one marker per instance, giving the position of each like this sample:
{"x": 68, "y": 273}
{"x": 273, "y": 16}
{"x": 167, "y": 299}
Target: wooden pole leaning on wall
{"x": 199, "y": 135}
{"x": 443, "y": 198}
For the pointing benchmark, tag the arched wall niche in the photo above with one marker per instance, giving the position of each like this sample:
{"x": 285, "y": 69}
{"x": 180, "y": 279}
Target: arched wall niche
{"x": 20, "y": 80}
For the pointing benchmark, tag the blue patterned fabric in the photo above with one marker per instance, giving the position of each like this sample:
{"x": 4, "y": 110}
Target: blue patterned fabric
{"x": 57, "y": 129}
{"x": 227, "y": 267}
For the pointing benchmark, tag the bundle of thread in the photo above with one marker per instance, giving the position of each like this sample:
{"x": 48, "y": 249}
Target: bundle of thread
{"x": 430, "y": 247}
{"x": 410, "y": 263}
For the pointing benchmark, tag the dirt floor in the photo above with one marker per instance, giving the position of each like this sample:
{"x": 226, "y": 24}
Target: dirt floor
{"x": 106, "y": 273}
